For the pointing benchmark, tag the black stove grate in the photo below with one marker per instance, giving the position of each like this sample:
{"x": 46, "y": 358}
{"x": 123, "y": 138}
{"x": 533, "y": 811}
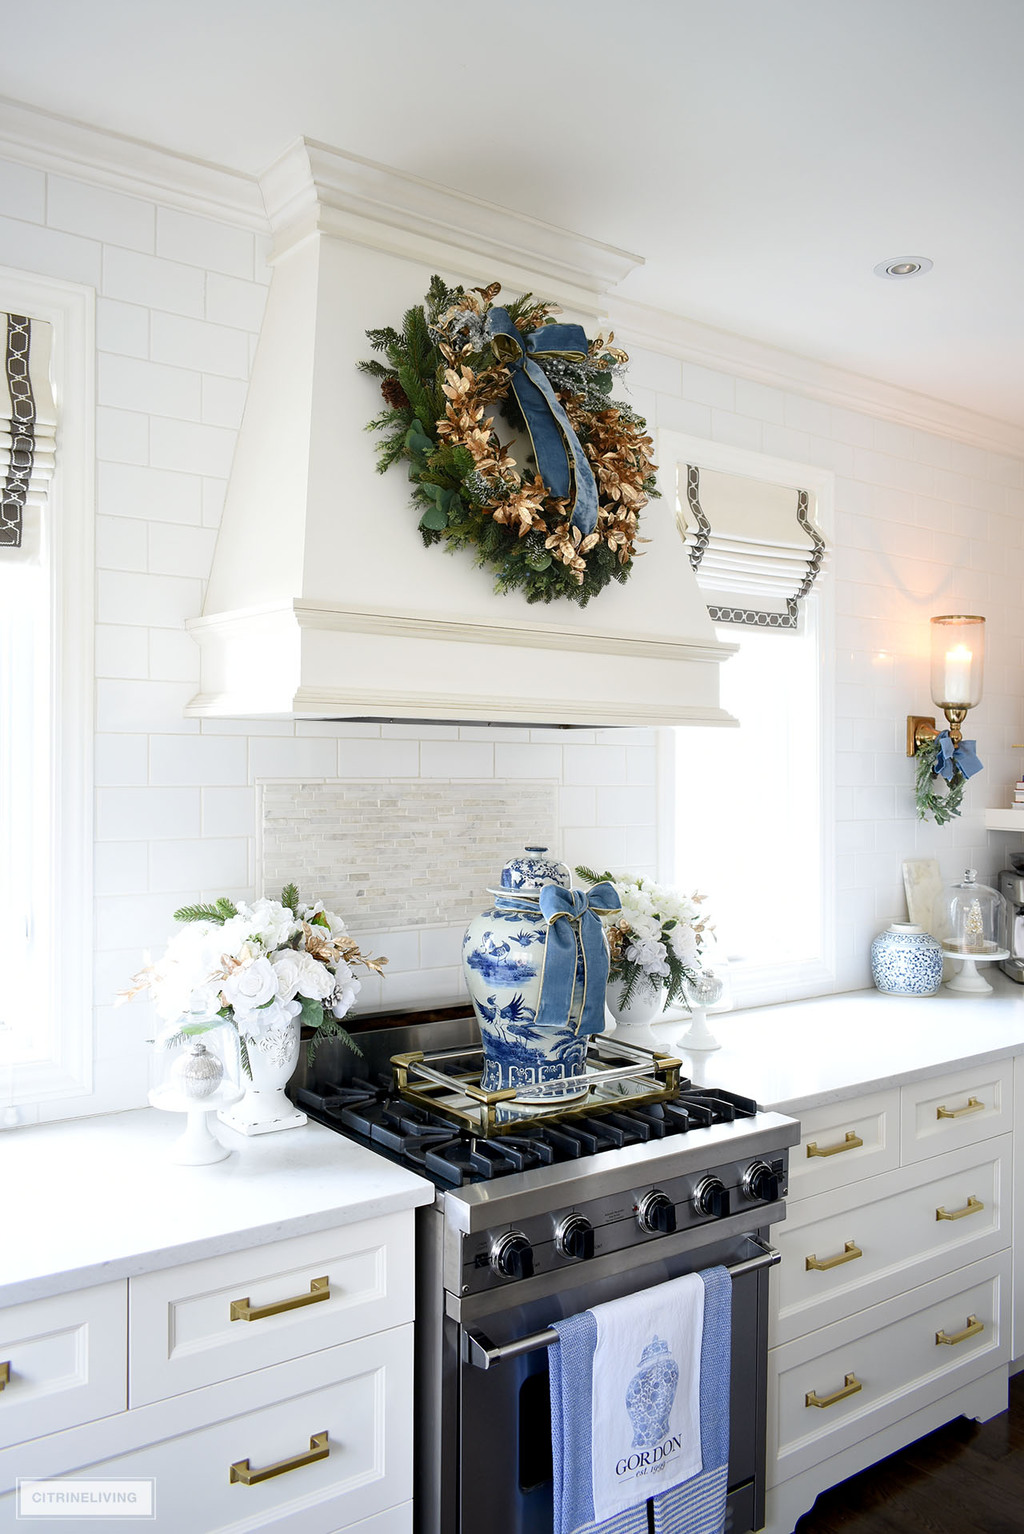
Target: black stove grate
{"x": 369, "y": 1111}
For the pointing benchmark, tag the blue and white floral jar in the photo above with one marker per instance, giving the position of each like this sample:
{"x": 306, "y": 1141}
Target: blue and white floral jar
{"x": 536, "y": 966}
{"x": 906, "y": 961}
{"x": 651, "y": 1394}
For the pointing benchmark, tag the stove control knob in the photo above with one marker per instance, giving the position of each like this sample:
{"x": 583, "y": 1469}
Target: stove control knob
{"x": 575, "y": 1237}
{"x": 711, "y": 1197}
{"x": 512, "y": 1256}
{"x": 760, "y": 1182}
{"x": 656, "y": 1213}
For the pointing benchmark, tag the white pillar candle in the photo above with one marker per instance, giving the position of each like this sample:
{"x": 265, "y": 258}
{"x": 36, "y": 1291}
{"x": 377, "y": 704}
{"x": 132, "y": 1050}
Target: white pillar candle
{"x": 958, "y": 675}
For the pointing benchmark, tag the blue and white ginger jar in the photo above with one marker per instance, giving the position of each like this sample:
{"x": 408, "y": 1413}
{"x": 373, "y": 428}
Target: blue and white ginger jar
{"x": 906, "y": 961}
{"x": 503, "y": 953}
{"x": 651, "y": 1394}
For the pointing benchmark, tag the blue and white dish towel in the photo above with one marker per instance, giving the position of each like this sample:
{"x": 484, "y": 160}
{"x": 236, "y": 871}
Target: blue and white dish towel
{"x": 640, "y": 1410}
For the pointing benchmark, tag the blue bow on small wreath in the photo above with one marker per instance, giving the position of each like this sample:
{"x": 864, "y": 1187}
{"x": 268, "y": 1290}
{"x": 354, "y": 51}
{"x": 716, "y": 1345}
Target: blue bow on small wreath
{"x": 961, "y": 758}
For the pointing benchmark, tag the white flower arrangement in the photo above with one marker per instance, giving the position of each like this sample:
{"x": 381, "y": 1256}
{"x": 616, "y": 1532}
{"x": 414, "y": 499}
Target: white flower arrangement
{"x": 656, "y": 939}
{"x": 257, "y": 966}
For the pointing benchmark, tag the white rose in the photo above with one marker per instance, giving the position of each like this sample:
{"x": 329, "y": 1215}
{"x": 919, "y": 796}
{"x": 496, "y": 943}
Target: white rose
{"x": 683, "y": 942}
{"x": 288, "y": 972}
{"x": 278, "y": 1015}
{"x": 272, "y": 922}
{"x": 251, "y": 986}
{"x": 346, "y": 990}
{"x": 315, "y": 979}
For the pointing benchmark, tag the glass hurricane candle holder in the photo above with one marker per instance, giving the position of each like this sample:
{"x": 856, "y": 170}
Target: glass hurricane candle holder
{"x": 972, "y": 921}
{"x": 197, "y": 1070}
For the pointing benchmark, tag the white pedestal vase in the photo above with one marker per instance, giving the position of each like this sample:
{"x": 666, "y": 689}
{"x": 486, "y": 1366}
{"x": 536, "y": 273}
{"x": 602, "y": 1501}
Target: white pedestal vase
{"x": 643, "y": 1008}
{"x": 273, "y": 1057}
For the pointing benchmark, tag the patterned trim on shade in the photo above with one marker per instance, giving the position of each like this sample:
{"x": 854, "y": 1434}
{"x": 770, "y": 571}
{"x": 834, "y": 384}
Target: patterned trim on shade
{"x": 22, "y": 413}
{"x": 697, "y": 545}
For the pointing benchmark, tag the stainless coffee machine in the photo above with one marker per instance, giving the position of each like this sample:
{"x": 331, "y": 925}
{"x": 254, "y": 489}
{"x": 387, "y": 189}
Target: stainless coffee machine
{"x": 1011, "y": 887}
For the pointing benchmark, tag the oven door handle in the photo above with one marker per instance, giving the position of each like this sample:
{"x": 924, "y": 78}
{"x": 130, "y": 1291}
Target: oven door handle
{"x": 482, "y": 1353}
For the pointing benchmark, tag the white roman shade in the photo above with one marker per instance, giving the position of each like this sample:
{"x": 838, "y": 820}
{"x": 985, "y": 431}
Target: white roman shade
{"x": 753, "y": 545}
{"x": 28, "y": 425}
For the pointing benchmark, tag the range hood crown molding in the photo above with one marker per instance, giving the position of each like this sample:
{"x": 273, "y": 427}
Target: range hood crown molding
{"x": 312, "y": 188}
{"x": 322, "y": 600}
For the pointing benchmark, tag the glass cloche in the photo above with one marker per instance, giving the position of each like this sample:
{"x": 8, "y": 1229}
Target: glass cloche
{"x": 970, "y": 917}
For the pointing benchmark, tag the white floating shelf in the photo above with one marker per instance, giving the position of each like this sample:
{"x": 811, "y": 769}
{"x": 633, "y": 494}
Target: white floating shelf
{"x": 1004, "y": 820}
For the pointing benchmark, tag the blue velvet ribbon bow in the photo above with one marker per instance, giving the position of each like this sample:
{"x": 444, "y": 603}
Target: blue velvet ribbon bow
{"x": 571, "y": 914}
{"x": 950, "y": 757}
{"x": 561, "y": 461}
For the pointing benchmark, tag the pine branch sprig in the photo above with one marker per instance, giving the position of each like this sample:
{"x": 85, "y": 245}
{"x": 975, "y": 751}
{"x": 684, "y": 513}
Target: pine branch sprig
{"x": 219, "y": 912}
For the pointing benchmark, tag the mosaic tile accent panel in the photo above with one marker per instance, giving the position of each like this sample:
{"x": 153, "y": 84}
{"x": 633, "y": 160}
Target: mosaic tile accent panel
{"x": 388, "y": 855}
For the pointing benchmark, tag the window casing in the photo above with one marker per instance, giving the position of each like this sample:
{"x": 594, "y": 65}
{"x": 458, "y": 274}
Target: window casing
{"x": 46, "y": 743}
{"x": 747, "y": 814}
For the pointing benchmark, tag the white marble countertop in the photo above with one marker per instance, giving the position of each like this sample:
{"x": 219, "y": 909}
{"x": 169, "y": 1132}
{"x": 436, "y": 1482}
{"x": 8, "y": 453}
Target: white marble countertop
{"x": 90, "y": 1200}
{"x": 799, "y": 1055}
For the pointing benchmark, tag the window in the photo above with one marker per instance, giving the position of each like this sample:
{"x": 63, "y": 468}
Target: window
{"x": 750, "y": 809}
{"x": 46, "y": 684}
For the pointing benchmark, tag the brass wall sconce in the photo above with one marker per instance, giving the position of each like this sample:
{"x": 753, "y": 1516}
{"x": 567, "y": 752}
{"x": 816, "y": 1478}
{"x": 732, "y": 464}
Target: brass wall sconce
{"x": 957, "y": 672}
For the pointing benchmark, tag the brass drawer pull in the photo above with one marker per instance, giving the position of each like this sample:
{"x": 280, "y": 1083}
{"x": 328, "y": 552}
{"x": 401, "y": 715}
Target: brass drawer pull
{"x": 973, "y": 1327}
{"x": 318, "y": 1449}
{"x": 319, "y": 1289}
{"x": 851, "y": 1251}
{"x": 972, "y": 1206}
{"x": 851, "y": 1385}
{"x": 5, "y": 1374}
{"x": 851, "y": 1142}
{"x": 972, "y": 1106}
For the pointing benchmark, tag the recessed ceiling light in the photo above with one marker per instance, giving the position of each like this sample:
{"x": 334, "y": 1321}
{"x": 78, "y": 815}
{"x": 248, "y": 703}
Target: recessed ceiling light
{"x": 905, "y": 266}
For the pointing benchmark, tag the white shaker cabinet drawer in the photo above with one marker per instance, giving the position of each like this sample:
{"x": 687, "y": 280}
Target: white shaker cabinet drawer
{"x": 397, "y": 1520}
{"x": 959, "y": 1109}
{"x": 844, "y": 1142}
{"x": 337, "y": 1452}
{"x": 211, "y": 1320}
{"x": 62, "y": 1361}
{"x": 832, "y": 1388}
{"x": 857, "y": 1246}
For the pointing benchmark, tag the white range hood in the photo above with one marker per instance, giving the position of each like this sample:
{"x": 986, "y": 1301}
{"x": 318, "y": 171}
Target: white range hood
{"x": 322, "y": 600}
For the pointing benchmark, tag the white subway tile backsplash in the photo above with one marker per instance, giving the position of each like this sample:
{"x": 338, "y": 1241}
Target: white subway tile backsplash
{"x": 128, "y": 491}
{"x": 128, "y": 383}
{"x": 121, "y": 868}
{"x": 135, "y": 707}
{"x": 704, "y": 386}
{"x": 204, "y": 243}
{"x": 293, "y": 758}
{"x": 208, "y": 759}
{"x": 378, "y": 758}
{"x": 121, "y": 651}
{"x": 206, "y": 450}
{"x": 229, "y": 811}
{"x": 121, "y": 759}
{"x": 223, "y": 401}
{"x": 100, "y": 214}
{"x": 173, "y": 656}
{"x": 122, "y": 436}
{"x": 527, "y": 761}
{"x": 156, "y": 284}
{"x": 121, "y": 543}
{"x": 162, "y": 601}
{"x": 127, "y": 813}
{"x": 205, "y": 864}
{"x": 231, "y": 301}
{"x": 50, "y": 252}
{"x": 175, "y": 549}
{"x": 189, "y": 343}
{"x": 122, "y": 328}
{"x": 596, "y": 764}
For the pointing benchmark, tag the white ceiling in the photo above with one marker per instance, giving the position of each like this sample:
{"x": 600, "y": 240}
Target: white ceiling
{"x": 763, "y": 155}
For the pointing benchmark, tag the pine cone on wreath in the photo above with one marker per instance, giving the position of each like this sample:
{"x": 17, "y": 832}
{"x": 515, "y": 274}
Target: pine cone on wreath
{"x": 394, "y": 394}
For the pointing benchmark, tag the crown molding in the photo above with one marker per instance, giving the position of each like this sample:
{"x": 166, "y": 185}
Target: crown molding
{"x": 314, "y": 188}
{"x": 64, "y": 147}
{"x": 659, "y": 331}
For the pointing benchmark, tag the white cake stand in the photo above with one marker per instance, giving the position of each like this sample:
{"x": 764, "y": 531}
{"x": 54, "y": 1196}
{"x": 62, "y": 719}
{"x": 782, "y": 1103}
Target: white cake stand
{"x": 968, "y": 980}
{"x": 197, "y": 1146}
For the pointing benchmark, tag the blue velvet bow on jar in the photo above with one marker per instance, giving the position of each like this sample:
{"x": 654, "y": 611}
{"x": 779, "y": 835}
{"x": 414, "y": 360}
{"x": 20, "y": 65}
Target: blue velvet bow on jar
{"x": 561, "y": 461}
{"x": 575, "y": 942}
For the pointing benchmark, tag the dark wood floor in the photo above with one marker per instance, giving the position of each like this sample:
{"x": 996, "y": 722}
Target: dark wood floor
{"x": 966, "y": 1478}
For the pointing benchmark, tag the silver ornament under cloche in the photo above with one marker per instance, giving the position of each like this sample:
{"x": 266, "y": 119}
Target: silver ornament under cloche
{"x": 196, "y": 1072}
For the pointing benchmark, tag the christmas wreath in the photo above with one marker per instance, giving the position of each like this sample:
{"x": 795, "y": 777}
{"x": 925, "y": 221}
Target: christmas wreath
{"x": 560, "y": 517}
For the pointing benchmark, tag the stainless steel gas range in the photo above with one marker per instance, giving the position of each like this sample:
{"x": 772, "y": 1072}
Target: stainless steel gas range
{"x": 540, "y": 1216}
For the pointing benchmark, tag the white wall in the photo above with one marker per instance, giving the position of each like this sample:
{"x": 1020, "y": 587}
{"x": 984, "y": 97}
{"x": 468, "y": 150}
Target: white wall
{"x": 924, "y": 525}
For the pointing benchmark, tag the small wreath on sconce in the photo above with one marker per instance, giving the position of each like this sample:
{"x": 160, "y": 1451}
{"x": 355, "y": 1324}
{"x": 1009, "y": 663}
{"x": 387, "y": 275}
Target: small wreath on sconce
{"x": 942, "y": 805}
{"x": 559, "y": 520}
